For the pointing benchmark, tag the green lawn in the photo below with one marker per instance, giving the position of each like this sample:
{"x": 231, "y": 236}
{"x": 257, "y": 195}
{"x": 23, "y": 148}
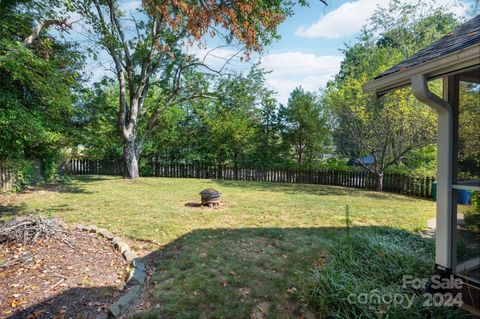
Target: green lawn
{"x": 155, "y": 208}
{"x": 249, "y": 258}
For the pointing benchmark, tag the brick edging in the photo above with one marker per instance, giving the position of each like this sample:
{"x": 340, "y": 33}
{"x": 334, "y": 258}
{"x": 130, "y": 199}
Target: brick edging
{"x": 136, "y": 279}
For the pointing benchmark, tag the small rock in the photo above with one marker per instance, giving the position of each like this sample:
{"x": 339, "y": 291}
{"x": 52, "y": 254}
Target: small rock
{"x": 129, "y": 255}
{"x": 125, "y": 301}
{"x": 137, "y": 277}
{"x": 105, "y": 233}
{"x": 138, "y": 263}
{"x": 115, "y": 240}
{"x": 121, "y": 246}
{"x": 91, "y": 229}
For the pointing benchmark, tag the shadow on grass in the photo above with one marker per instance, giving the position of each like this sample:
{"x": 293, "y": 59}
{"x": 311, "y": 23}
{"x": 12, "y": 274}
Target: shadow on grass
{"x": 73, "y": 187}
{"x": 312, "y": 189}
{"x": 228, "y": 273}
{"x": 9, "y": 210}
{"x": 94, "y": 178}
{"x": 79, "y": 302}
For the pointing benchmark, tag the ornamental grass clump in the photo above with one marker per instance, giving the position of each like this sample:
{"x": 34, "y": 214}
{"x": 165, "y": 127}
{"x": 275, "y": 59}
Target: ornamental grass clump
{"x": 363, "y": 276}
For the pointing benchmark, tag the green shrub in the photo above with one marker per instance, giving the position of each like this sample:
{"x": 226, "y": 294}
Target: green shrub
{"x": 28, "y": 172}
{"x": 24, "y": 173}
{"x": 472, "y": 215}
{"x": 373, "y": 262}
{"x": 34, "y": 172}
{"x": 145, "y": 168}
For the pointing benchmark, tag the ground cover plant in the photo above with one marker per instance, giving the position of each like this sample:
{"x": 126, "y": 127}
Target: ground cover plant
{"x": 373, "y": 262}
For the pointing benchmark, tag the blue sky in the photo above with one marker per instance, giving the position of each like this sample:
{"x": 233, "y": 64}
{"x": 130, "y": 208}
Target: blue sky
{"x": 308, "y": 53}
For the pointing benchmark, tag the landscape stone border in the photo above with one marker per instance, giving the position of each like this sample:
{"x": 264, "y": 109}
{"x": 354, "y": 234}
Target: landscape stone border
{"x": 136, "y": 279}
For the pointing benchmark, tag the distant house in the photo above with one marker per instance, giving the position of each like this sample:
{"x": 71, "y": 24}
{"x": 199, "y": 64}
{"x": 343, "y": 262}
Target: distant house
{"x": 455, "y": 59}
{"x": 365, "y": 160}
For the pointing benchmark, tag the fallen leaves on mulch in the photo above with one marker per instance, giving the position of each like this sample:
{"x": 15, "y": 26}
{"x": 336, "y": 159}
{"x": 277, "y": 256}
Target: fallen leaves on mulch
{"x": 55, "y": 279}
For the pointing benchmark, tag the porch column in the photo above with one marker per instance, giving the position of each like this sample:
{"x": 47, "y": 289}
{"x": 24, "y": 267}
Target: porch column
{"x": 444, "y": 228}
{"x": 445, "y": 243}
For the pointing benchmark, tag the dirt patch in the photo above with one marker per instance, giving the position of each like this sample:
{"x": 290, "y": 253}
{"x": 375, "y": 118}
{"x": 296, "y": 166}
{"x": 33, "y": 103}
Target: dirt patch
{"x": 196, "y": 205}
{"x": 260, "y": 310}
{"x": 54, "y": 280}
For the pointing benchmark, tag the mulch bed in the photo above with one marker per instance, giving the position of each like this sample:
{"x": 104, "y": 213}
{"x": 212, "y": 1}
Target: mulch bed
{"x": 52, "y": 278}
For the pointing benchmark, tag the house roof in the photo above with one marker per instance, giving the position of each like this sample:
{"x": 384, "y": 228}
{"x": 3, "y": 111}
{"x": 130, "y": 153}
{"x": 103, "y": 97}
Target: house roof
{"x": 463, "y": 37}
{"x": 448, "y": 54}
{"x": 366, "y": 160}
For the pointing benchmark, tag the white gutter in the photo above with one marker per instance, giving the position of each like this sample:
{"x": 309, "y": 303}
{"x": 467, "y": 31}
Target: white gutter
{"x": 443, "y": 235}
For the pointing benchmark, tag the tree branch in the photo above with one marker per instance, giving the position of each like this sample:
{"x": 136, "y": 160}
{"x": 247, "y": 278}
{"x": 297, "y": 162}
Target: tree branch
{"x": 62, "y": 23}
{"x": 120, "y": 74}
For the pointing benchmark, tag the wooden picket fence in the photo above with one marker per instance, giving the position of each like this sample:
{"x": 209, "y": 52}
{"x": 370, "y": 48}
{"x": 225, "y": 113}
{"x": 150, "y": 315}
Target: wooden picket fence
{"x": 8, "y": 177}
{"x": 89, "y": 167}
{"x": 11, "y": 180}
{"x": 393, "y": 182}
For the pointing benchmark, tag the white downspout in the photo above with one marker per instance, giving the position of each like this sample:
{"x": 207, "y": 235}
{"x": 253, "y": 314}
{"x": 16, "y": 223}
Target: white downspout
{"x": 443, "y": 235}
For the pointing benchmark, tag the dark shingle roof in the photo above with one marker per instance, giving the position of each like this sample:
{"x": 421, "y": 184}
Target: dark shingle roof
{"x": 463, "y": 37}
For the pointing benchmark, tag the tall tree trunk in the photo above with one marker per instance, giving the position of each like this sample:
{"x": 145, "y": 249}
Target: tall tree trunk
{"x": 379, "y": 182}
{"x": 130, "y": 160}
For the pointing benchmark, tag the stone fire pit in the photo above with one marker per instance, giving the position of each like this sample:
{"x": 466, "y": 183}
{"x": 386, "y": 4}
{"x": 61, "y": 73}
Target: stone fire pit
{"x": 210, "y": 197}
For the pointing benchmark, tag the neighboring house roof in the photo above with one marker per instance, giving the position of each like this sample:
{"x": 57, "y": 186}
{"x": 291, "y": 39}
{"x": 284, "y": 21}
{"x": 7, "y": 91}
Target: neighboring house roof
{"x": 365, "y": 160}
{"x": 455, "y": 51}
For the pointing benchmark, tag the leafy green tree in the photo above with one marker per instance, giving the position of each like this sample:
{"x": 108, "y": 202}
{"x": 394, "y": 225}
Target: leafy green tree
{"x": 96, "y": 115}
{"x": 39, "y": 81}
{"x": 269, "y": 147}
{"x": 152, "y": 54}
{"x": 305, "y": 127}
{"x": 469, "y": 134}
{"x": 390, "y": 128}
{"x": 232, "y": 121}
{"x": 419, "y": 162}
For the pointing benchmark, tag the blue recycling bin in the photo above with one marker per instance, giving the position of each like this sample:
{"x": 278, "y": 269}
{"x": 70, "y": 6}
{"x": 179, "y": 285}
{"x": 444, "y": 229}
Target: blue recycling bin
{"x": 463, "y": 195}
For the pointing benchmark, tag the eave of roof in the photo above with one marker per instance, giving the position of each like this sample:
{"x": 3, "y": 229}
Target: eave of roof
{"x": 435, "y": 68}
{"x": 455, "y": 51}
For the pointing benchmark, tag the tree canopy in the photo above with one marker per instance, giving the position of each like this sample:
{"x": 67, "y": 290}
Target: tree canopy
{"x": 38, "y": 84}
{"x": 165, "y": 103}
{"x": 389, "y": 128}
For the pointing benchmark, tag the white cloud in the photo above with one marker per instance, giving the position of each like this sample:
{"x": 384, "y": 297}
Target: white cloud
{"x": 300, "y": 63}
{"x": 293, "y": 69}
{"x": 349, "y": 18}
{"x": 216, "y": 58}
{"x": 345, "y": 20}
{"x": 288, "y": 69}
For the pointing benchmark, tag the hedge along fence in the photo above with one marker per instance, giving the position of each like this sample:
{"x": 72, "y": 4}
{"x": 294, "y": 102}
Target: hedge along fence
{"x": 17, "y": 174}
{"x": 392, "y": 182}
